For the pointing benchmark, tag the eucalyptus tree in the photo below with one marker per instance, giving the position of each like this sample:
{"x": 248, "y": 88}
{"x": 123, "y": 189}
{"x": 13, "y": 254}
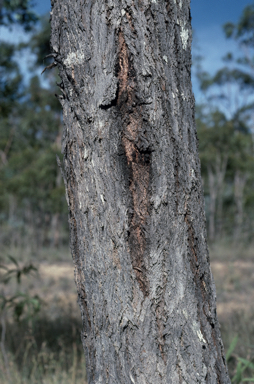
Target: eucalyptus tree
{"x": 32, "y": 201}
{"x": 225, "y": 148}
{"x": 216, "y": 136}
{"x": 133, "y": 187}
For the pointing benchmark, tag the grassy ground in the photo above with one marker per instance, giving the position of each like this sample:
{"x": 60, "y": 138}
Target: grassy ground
{"x": 46, "y": 349}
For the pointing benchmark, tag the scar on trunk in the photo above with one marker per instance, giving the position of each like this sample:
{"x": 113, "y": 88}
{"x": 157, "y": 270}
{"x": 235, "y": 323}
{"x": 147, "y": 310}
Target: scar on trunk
{"x": 138, "y": 161}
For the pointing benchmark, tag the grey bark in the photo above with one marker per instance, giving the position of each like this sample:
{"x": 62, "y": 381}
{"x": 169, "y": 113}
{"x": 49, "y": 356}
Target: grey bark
{"x": 133, "y": 186}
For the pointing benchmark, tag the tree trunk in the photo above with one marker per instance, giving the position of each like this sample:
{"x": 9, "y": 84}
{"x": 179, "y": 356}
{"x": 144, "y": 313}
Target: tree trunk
{"x": 55, "y": 230}
{"x": 133, "y": 184}
{"x": 239, "y": 184}
{"x": 216, "y": 176}
{"x": 212, "y": 203}
{"x": 55, "y": 222}
{"x": 220, "y": 169}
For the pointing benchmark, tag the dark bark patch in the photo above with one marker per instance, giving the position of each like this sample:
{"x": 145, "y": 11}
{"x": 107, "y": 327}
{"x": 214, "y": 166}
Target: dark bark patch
{"x": 161, "y": 316}
{"x": 160, "y": 313}
{"x": 112, "y": 103}
{"x": 83, "y": 298}
{"x": 115, "y": 256}
{"x": 72, "y": 220}
{"x": 177, "y": 184}
{"x": 138, "y": 158}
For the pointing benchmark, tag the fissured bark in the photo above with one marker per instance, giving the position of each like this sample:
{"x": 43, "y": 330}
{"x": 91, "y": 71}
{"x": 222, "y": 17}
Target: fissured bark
{"x": 133, "y": 186}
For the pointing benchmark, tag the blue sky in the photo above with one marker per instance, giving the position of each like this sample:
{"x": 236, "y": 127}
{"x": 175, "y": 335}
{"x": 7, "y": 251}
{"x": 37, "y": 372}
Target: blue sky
{"x": 207, "y": 20}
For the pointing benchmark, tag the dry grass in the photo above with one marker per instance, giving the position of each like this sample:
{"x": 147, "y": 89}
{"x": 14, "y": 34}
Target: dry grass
{"x": 226, "y": 252}
{"x": 235, "y": 287}
{"x": 44, "y": 368}
{"x": 50, "y": 255}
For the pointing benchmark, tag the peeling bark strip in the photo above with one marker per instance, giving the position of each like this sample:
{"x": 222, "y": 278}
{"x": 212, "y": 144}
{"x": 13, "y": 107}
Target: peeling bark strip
{"x": 133, "y": 186}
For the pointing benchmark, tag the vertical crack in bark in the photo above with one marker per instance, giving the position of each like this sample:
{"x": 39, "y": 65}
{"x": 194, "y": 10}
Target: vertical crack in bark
{"x": 73, "y": 223}
{"x": 161, "y": 315}
{"x": 177, "y": 184}
{"x": 160, "y": 320}
{"x": 138, "y": 160}
{"x": 179, "y": 370}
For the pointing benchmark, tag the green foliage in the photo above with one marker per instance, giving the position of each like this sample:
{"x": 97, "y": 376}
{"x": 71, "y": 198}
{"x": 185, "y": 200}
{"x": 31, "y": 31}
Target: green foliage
{"x": 17, "y": 12}
{"x": 31, "y": 187}
{"x": 226, "y": 141}
{"x": 231, "y": 348}
{"x": 215, "y": 134}
{"x": 243, "y": 368}
{"x": 19, "y": 303}
{"x": 16, "y": 272}
{"x": 34, "y": 177}
{"x": 233, "y": 76}
{"x": 231, "y": 88}
{"x": 48, "y": 350}
{"x": 10, "y": 79}
{"x": 243, "y": 31}
{"x": 39, "y": 42}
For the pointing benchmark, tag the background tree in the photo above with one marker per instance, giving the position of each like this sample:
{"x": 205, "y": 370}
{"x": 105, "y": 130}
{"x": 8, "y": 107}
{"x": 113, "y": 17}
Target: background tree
{"x": 44, "y": 346}
{"x": 31, "y": 189}
{"x": 225, "y": 144}
{"x": 215, "y": 133}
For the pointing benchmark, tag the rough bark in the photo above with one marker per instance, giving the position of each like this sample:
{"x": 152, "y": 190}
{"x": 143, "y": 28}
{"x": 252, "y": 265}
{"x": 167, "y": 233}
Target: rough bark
{"x": 133, "y": 186}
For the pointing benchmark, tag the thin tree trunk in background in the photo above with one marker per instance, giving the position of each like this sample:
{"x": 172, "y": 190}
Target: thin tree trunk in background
{"x": 216, "y": 177}
{"x": 239, "y": 184}
{"x": 29, "y": 228}
{"x": 55, "y": 218}
{"x": 55, "y": 230}
{"x": 12, "y": 219}
{"x": 212, "y": 203}
{"x": 220, "y": 168}
{"x": 133, "y": 186}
